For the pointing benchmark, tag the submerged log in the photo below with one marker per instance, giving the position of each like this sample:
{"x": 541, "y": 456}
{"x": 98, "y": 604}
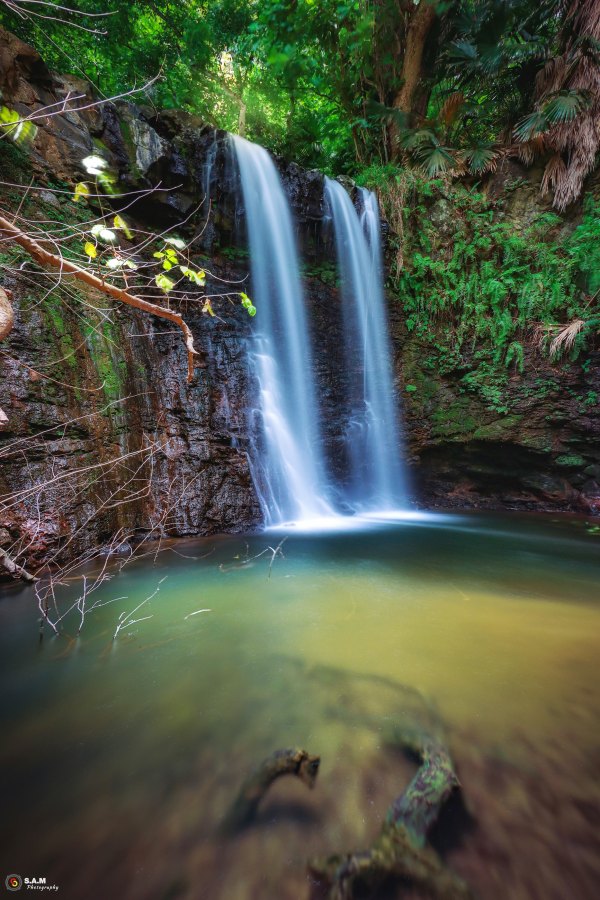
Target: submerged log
{"x": 8, "y": 563}
{"x": 281, "y": 762}
{"x": 400, "y": 852}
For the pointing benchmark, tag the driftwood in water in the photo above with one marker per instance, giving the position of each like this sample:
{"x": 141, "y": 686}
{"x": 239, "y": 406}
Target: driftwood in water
{"x": 400, "y": 852}
{"x": 8, "y": 563}
{"x": 281, "y": 762}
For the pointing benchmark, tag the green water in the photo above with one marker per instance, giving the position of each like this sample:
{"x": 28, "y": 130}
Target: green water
{"x": 123, "y": 755}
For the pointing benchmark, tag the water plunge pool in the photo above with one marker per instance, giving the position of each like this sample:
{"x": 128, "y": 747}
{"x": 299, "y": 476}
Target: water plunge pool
{"x": 125, "y": 754}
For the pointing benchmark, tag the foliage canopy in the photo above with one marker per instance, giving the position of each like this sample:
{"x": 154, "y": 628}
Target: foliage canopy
{"x": 446, "y": 84}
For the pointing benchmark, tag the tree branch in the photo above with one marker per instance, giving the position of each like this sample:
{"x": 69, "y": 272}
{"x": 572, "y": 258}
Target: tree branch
{"x": 43, "y": 256}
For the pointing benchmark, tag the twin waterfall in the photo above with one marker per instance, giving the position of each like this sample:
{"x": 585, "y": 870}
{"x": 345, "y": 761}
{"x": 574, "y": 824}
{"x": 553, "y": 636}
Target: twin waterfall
{"x": 292, "y": 476}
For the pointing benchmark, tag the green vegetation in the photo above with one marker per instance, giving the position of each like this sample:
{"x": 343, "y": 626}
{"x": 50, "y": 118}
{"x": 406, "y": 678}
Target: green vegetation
{"x": 338, "y": 84}
{"x": 471, "y": 270}
{"x": 477, "y": 287}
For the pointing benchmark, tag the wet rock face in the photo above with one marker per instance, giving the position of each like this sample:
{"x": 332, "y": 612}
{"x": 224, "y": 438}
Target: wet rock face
{"x": 543, "y": 454}
{"x": 112, "y": 438}
{"x": 104, "y": 437}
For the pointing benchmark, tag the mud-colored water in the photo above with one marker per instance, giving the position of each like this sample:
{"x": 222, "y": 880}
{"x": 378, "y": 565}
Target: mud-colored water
{"x": 123, "y": 755}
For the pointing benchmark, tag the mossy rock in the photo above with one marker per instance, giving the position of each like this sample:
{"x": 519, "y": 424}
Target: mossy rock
{"x": 500, "y": 429}
{"x": 571, "y": 461}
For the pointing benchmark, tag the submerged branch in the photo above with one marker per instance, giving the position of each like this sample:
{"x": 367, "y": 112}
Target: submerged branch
{"x": 281, "y": 762}
{"x": 400, "y": 852}
{"x": 13, "y": 568}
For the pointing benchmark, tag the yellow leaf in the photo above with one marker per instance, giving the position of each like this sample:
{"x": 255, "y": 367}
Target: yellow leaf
{"x": 81, "y": 190}
{"x": 90, "y": 250}
{"x": 124, "y": 227}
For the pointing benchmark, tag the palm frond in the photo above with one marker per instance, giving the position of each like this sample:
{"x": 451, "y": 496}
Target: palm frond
{"x": 491, "y": 59}
{"x": 531, "y": 126}
{"x": 481, "y": 159}
{"x": 527, "y": 151}
{"x": 565, "y": 106}
{"x": 435, "y": 159}
{"x": 463, "y": 53}
{"x": 554, "y": 173}
{"x": 451, "y": 107}
{"x": 413, "y": 138}
{"x": 564, "y": 339}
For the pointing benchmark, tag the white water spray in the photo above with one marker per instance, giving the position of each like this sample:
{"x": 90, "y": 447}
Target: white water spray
{"x": 375, "y": 478}
{"x": 286, "y": 460}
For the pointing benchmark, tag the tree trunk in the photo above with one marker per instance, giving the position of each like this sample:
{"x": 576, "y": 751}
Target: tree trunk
{"x": 242, "y": 120}
{"x": 416, "y": 37}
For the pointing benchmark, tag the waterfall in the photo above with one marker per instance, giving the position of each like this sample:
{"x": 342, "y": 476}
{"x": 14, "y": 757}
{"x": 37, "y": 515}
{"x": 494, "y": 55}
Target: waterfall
{"x": 286, "y": 453}
{"x": 208, "y": 172}
{"x": 375, "y": 478}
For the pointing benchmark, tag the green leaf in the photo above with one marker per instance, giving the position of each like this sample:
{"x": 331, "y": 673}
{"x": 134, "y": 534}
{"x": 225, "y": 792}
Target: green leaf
{"x": 463, "y": 53}
{"x": 164, "y": 283}
{"x": 107, "y": 180}
{"x": 8, "y": 116}
{"x": 19, "y": 131}
{"x": 481, "y": 159}
{"x": 198, "y": 278}
{"x": 415, "y": 138}
{"x": 411, "y": 388}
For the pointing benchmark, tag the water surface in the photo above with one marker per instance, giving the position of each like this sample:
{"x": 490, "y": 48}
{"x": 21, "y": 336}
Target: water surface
{"x": 124, "y": 754}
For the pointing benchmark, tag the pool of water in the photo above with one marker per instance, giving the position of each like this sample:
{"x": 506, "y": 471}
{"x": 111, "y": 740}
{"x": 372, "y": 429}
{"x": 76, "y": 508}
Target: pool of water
{"x": 124, "y": 754}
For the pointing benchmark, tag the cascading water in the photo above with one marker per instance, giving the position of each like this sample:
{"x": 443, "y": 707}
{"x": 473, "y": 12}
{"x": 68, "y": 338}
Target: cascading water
{"x": 208, "y": 172}
{"x": 375, "y": 474}
{"x": 288, "y": 469}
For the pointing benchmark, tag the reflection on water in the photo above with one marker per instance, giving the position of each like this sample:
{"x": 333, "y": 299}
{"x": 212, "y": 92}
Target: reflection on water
{"x": 123, "y": 756}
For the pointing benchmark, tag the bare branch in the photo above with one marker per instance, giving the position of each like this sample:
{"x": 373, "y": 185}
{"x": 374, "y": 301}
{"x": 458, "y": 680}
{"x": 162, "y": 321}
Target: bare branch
{"x": 50, "y": 259}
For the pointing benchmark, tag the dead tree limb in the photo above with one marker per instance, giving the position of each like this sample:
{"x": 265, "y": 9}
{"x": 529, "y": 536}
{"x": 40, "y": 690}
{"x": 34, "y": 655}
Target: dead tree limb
{"x": 281, "y": 762}
{"x": 46, "y": 258}
{"x": 8, "y": 563}
{"x": 400, "y": 852}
